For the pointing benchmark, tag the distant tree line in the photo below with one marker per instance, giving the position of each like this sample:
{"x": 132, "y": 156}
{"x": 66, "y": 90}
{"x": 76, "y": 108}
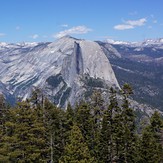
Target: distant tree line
{"x": 35, "y": 130}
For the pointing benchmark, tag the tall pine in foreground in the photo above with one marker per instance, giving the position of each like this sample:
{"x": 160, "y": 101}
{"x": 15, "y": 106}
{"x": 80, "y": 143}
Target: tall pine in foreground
{"x": 76, "y": 151}
{"x": 118, "y": 139}
{"x": 107, "y": 144}
{"x": 151, "y": 148}
{"x": 55, "y": 120}
{"x": 25, "y": 138}
{"x": 69, "y": 120}
{"x": 3, "y": 119}
{"x": 96, "y": 109}
{"x": 128, "y": 153}
{"x": 37, "y": 131}
{"x": 85, "y": 122}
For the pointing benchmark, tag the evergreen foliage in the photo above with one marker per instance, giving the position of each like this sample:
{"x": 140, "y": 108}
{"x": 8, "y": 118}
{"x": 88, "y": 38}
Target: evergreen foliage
{"x": 36, "y": 130}
{"x": 76, "y": 151}
{"x": 97, "y": 109}
{"x": 55, "y": 123}
{"x": 151, "y": 147}
{"x": 107, "y": 144}
{"x": 25, "y": 135}
{"x": 84, "y": 120}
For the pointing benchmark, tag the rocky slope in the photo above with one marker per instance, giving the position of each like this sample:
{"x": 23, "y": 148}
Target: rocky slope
{"x": 61, "y": 69}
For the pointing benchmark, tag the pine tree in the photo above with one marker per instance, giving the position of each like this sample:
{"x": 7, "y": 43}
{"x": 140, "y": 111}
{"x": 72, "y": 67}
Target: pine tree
{"x": 148, "y": 147}
{"x": 55, "y": 123}
{"x": 151, "y": 149}
{"x": 37, "y": 98}
{"x": 84, "y": 120}
{"x": 118, "y": 138}
{"x": 157, "y": 126}
{"x": 126, "y": 147}
{"x": 129, "y": 135}
{"x": 25, "y": 137}
{"x": 106, "y": 144}
{"x": 70, "y": 118}
{"x": 97, "y": 109}
{"x": 3, "y": 119}
{"x": 3, "y": 112}
{"x": 76, "y": 151}
{"x": 118, "y": 134}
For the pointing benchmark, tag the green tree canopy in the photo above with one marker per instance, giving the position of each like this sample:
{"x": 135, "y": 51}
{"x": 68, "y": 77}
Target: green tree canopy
{"x": 76, "y": 151}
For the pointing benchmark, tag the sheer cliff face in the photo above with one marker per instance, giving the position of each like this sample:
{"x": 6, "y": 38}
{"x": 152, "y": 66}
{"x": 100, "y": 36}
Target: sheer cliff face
{"x": 59, "y": 68}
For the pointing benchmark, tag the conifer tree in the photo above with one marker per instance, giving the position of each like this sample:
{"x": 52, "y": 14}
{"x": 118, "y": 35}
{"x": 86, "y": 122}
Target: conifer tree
{"x": 25, "y": 137}
{"x": 118, "y": 139}
{"x": 106, "y": 144}
{"x": 37, "y": 98}
{"x": 3, "y": 119}
{"x": 70, "y": 117}
{"x": 97, "y": 108}
{"x": 128, "y": 141}
{"x": 129, "y": 135}
{"x": 55, "y": 122}
{"x": 156, "y": 126}
{"x": 118, "y": 133}
{"x": 76, "y": 151}
{"x": 3, "y": 112}
{"x": 84, "y": 120}
{"x": 151, "y": 149}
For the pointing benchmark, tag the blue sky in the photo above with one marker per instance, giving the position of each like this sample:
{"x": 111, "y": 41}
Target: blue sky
{"x": 47, "y": 20}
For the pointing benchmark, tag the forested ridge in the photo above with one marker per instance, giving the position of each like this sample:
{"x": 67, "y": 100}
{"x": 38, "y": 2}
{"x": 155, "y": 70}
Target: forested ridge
{"x": 35, "y": 130}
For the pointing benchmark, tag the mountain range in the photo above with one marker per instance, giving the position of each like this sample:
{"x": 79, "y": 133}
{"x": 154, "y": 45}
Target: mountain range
{"x": 68, "y": 69}
{"x": 141, "y": 65}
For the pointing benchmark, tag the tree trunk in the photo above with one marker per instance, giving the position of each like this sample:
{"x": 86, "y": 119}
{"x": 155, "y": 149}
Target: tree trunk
{"x": 51, "y": 148}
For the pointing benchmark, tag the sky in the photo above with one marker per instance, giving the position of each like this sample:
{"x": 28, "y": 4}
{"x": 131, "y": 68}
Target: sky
{"x": 48, "y": 20}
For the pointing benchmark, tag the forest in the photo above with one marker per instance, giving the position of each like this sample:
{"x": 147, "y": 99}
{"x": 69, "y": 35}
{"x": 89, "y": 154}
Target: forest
{"x": 35, "y": 130}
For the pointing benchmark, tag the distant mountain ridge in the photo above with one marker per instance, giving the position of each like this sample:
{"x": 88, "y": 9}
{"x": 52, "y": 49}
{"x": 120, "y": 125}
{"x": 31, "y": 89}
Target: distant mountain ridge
{"x": 147, "y": 42}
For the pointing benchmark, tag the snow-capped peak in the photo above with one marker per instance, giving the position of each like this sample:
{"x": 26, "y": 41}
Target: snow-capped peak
{"x": 3, "y": 44}
{"x": 117, "y": 42}
{"x": 28, "y": 44}
{"x": 153, "y": 41}
{"x": 147, "y": 42}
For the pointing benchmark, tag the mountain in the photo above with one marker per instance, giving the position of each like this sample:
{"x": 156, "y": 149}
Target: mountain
{"x": 146, "y": 51}
{"x": 141, "y": 65}
{"x": 69, "y": 69}
{"x": 65, "y": 70}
